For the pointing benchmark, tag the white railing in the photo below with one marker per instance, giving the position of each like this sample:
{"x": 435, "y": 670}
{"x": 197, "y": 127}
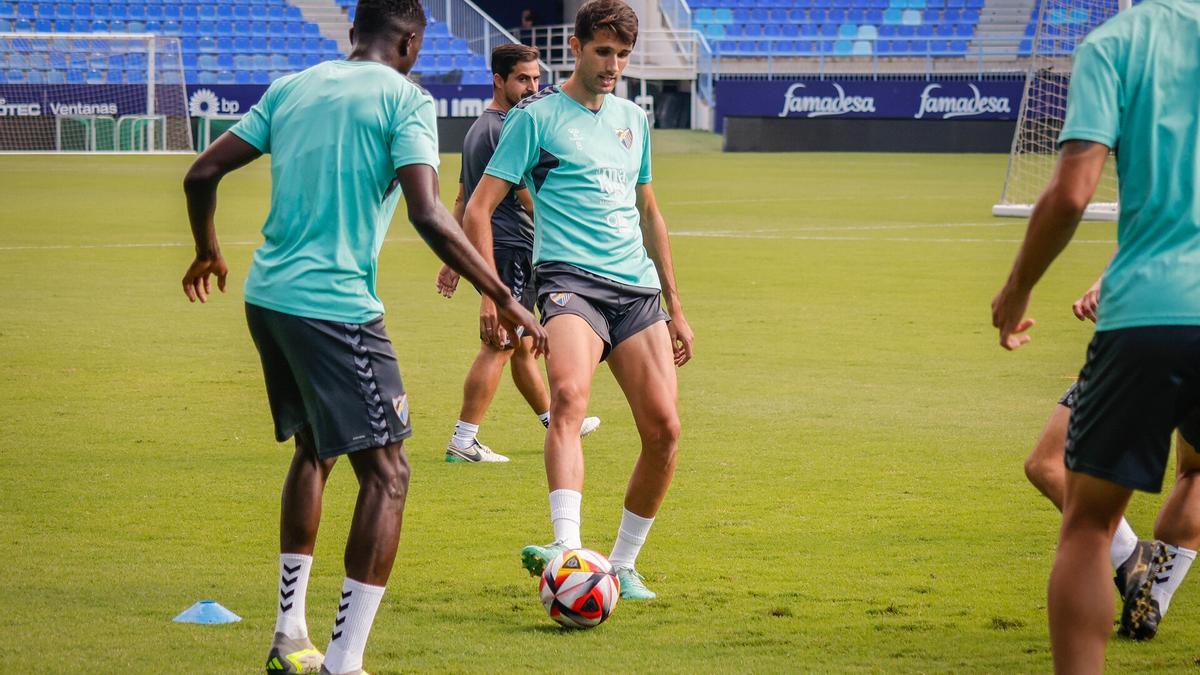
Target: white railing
{"x": 467, "y": 21}
{"x": 677, "y": 13}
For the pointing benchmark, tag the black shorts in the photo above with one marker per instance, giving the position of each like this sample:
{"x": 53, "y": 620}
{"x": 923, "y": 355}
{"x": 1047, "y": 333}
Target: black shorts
{"x": 515, "y": 267}
{"x": 615, "y": 311}
{"x": 1189, "y": 428}
{"x": 341, "y": 379}
{"x": 1138, "y": 386}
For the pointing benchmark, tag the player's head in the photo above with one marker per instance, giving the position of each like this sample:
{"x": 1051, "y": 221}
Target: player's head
{"x": 397, "y": 27}
{"x": 605, "y": 32}
{"x": 515, "y": 73}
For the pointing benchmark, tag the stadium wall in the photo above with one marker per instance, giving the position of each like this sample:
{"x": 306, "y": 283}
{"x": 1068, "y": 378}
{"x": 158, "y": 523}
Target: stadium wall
{"x": 869, "y": 114}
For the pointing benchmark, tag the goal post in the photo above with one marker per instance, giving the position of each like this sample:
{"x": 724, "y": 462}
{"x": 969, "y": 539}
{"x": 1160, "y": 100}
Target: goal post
{"x": 92, "y": 92}
{"x": 1061, "y": 25}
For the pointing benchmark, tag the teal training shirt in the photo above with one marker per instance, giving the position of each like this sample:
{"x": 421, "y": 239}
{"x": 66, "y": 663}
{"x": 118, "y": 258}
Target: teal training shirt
{"x": 1135, "y": 87}
{"x": 582, "y": 168}
{"x": 336, "y": 133}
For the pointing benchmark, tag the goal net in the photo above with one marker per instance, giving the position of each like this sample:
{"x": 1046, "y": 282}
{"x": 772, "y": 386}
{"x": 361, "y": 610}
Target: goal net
{"x": 1060, "y": 26}
{"x": 92, "y": 92}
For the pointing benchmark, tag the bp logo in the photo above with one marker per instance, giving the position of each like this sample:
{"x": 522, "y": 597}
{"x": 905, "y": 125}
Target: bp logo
{"x": 205, "y": 102}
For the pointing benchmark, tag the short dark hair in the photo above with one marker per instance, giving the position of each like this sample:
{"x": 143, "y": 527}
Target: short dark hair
{"x": 614, "y": 15}
{"x": 373, "y": 17}
{"x": 506, "y": 57}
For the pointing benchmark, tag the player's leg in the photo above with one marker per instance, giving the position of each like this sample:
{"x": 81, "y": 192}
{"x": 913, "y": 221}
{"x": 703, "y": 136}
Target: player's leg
{"x": 291, "y": 650}
{"x": 575, "y": 350}
{"x": 478, "y": 391}
{"x": 527, "y": 376}
{"x": 644, "y": 367}
{"x": 1047, "y": 472}
{"x": 370, "y": 551}
{"x": 1178, "y": 531}
{"x": 352, "y": 391}
{"x": 1080, "y": 602}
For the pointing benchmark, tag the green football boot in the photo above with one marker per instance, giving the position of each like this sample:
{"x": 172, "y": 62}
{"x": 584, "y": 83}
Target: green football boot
{"x": 633, "y": 585}
{"x": 289, "y": 656}
{"x": 535, "y": 558}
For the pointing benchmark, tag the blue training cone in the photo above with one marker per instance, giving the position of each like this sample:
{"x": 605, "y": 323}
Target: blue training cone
{"x": 207, "y": 611}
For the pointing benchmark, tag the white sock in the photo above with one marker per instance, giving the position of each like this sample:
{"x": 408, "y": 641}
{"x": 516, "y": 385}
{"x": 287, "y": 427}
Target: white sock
{"x": 356, "y": 613}
{"x": 293, "y": 587}
{"x": 564, "y": 516}
{"x": 464, "y": 434}
{"x": 1123, "y": 543}
{"x": 1170, "y": 575}
{"x": 544, "y": 418}
{"x": 630, "y": 537}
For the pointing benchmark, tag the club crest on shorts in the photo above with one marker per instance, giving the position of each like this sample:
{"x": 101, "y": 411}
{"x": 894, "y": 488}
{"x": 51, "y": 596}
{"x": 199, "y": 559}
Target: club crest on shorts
{"x": 400, "y": 403}
{"x": 626, "y": 137}
{"x": 560, "y": 299}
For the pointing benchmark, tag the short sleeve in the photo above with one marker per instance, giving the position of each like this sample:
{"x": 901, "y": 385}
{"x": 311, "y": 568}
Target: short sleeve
{"x": 644, "y": 174}
{"x": 517, "y": 150}
{"x": 255, "y": 126}
{"x": 414, "y": 134}
{"x": 1094, "y": 98}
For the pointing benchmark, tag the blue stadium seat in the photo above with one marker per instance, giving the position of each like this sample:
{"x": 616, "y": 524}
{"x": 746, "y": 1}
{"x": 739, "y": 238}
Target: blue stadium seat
{"x": 843, "y": 48}
{"x": 260, "y": 77}
{"x": 893, "y": 16}
{"x": 887, "y": 30}
{"x": 911, "y": 17}
{"x": 847, "y": 30}
{"x": 958, "y": 47}
{"x": 861, "y": 48}
{"x": 242, "y": 77}
{"x": 868, "y": 32}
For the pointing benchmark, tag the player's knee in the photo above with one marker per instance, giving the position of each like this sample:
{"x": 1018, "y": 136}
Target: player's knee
{"x": 1035, "y": 471}
{"x": 567, "y": 399}
{"x": 662, "y": 434}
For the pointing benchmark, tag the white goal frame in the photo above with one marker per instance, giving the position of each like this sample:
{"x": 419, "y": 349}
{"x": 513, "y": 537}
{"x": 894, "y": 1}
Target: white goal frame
{"x": 1102, "y": 211}
{"x": 150, "y": 127}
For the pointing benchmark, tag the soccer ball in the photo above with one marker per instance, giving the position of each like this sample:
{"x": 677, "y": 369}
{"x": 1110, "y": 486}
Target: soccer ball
{"x": 579, "y": 588}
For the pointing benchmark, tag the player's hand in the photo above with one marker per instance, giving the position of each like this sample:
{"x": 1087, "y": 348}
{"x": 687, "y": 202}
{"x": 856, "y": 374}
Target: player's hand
{"x": 1085, "y": 307}
{"x": 491, "y": 328}
{"x": 197, "y": 284}
{"x": 1008, "y": 314}
{"x": 447, "y": 281}
{"x": 682, "y": 338}
{"x": 516, "y": 317}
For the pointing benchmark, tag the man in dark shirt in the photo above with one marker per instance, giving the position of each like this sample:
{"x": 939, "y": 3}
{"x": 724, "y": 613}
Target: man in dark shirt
{"x": 515, "y": 75}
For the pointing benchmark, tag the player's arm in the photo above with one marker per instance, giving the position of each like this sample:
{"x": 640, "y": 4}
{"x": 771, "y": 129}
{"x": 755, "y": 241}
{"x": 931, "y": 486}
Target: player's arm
{"x": 526, "y": 199}
{"x": 1051, "y": 226}
{"x": 658, "y": 246}
{"x": 228, "y": 153}
{"x": 477, "y": 223}
{"x": 437, "y": 227}
{"x": 447, "y": 278}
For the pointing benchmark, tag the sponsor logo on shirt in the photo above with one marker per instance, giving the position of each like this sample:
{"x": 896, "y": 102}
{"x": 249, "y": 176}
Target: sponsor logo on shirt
{"x": 625, "y": 136}
{"x": 576, "y": 138}
{"x": 961, "y": 106}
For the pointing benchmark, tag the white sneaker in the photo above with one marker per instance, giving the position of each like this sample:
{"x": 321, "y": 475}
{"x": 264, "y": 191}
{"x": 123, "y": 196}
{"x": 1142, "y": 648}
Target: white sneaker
{"x": 590, "y": 424}
{"x": 476, "y": 452}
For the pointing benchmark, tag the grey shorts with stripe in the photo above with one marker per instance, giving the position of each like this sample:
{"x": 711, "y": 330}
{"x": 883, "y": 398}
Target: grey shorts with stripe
{"x": 340, "y": 379}
{"x": 615, "y": 311}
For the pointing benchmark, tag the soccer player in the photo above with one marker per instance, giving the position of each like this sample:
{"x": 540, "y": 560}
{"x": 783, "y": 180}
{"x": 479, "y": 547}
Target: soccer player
{"x": 515, "y": 75}
{"x": 1133, "y": 90}
{"x": 343, "y": 136}
{"x": 603, "y": 265}
{"x": 1130, "y": 557}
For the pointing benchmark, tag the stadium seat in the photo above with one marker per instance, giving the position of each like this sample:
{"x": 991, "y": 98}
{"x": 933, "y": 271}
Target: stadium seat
{"x": 868, "y": 32}
{"x": 843, "y": 48}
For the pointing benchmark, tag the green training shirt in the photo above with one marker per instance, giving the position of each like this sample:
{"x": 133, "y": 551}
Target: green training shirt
{"x": 336, "y": 133}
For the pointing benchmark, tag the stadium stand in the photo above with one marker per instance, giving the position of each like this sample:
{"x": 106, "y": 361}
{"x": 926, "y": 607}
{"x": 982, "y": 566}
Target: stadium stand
{"x": 846, "y": 28}
{"x": 224, "y": 42}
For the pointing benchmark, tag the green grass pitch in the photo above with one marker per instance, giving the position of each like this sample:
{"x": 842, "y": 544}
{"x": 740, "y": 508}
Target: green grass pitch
{"x": 849, "y": 496}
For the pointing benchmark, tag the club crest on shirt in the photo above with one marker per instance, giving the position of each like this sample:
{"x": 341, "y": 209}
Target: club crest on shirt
{"x": 400, "y": 403}
{"x": 625, "y": 136}
{"x": 560, "y": 299}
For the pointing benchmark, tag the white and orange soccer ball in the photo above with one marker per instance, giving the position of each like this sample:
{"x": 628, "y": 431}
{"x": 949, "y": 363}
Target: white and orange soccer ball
{"x": 579, "y": 588}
